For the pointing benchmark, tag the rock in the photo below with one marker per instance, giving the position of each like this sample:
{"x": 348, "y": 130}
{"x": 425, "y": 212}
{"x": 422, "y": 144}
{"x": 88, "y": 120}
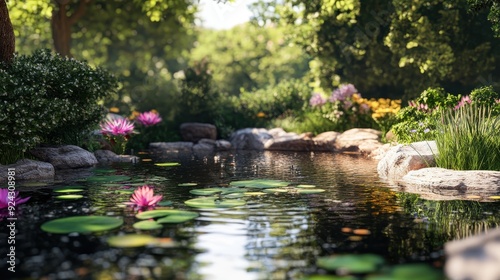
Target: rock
{"x": 401, "y": 159}
{"x": 474, "y": 258}
{"x": 107, "y": 156}
{"x": 178, "y": 147}
{"x": 251, "y": 138}
{"x": 204, "y": 147}
{"x": 27, "y": 169}
{"x": 290, "y": 142}
{"x": 194, "y": 132}
{"x": 223, "y": 145}
{"x": 363, "y": 140}
{"x": 452, "y": 183}
{"x": 63, "y": 157}
{"x": 380, "y": 152}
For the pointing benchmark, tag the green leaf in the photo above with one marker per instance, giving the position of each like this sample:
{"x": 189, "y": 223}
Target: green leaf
{"x": 306, "y": 186}
{"x": 187, "y": 184}
{"x": 81, "y": 224}
{"x": 167, "y": 164}
{"x": 147, "y": 225}
{"x": 162, "y": 213}
{"x": 206, "y": 191}
{"x": 357, "y": 264}
{"x": 69, "y": 196}
{"x": 260, "y": 183}
{"x": 214, "y": 202}
{"x": 68, "y": 189}
{"x": 178, "y": 218}
{"x": 131, "y": 240}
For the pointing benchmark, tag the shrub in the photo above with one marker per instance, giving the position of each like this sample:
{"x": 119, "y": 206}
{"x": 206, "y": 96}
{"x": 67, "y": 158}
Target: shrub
{"x": 468, "y": 138}
{"x": 45, "y": 98}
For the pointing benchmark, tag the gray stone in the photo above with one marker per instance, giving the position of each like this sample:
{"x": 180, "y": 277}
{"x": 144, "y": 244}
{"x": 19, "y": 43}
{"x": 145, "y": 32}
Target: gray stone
{"x": 362, "y": 140}
{"x": 452, "y": 183}
{"x": 204, "y": 147}
{"x": 250, "y": 139}
{"x": 63, "y": 157}
{"x": 27, "y": 169}
{"x": 401, "y": 159}
{"x": 194, "y": 132}
{"x": 175, "y": 147}
{"x": 474, "y": 258}
{"x": 223, "y": 145}
{"x": 107, "y": 156}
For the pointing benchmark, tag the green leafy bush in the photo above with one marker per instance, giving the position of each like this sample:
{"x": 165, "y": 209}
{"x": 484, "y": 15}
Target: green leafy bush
{"x": 45, "y": 98}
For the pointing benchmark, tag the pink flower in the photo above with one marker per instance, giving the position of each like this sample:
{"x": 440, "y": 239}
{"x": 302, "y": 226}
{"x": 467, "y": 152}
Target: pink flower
{"x": 463, "y": 101}
{"x": 148, "y": 118}
{"x": 143, "y": 197}
{"x": 117, "y": 126}
{"x": 7, "y": 196}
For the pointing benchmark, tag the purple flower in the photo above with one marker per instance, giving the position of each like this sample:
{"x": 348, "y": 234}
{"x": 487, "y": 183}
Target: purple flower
{"x": 143, "y": 197}
{"x": 343, "y": 92}
{"x": 463, "y": 101}
{"x": 7, "y": 196}
{"x": 117, "y": 127}
{"x": 317, "y": 100}
{"x": 149, "y": 118}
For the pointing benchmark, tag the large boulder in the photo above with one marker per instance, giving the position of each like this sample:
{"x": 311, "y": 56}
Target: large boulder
{"x": 173, "y": 147}
{"x": 455, "y": 184}
{"x": 362, "y": 140}
{"x": 401, "y": 159}
{"x": 64, "y": 157}
{"x": 475, "y": 258}
{"x": 194, "y": 132}
{"x": 250, "y": 138}
{"x": 107, "y": 156}
{"x": 27, "y": 169}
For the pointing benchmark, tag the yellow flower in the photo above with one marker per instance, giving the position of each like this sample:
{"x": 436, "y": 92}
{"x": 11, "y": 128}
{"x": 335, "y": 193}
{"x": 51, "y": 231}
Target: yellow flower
{"x": 134, "y": 115}
{"x": 261, "y": 114}
{"x": 114, "y": 110}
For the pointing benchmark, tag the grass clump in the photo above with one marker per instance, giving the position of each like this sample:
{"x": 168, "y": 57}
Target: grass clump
{"x": 468, "y": 138}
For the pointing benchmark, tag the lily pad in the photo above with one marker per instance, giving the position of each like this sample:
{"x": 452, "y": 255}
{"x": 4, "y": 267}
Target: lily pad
{"x": 206, "y": 191}
{"x": 214, "y": 202}
{"x": 260, "y": 183}
{"x": 306, "y": 186}
{"x": 357, "y": 264}
{"x": 234, "y": 195}
{"x": 131, "y": 240}
{"x": 108, "y": 178}
{"x": 68, "y": 189}
{"x": 178, "y": 218}
{"x": 69, "y": 196}
{"x": 187, "y": 184}
{"x": 310, "y": 191}
{"x": 81, "y": 224}
{"x": 147, "y": 225}
{"x": 275, "y": 190}
{"x": 167, "y": 164}
{"x": 162, "y": 213}
{"x": 254, "y": 193}
{"x": 410, "y": 271}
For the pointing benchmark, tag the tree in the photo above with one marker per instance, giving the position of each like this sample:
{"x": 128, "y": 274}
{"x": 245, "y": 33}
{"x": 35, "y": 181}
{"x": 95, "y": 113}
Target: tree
{"x": 393, "y": 47}
{"x": 7, "y": 39}
{"x": 248, "y": 57}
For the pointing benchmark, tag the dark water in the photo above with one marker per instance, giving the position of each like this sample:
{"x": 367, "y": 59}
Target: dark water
{"x": 274, "y": 236}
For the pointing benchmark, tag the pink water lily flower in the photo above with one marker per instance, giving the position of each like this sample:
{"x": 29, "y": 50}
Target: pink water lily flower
{"x": 117, "y": 126}
{"x": 143, "y": 197}
{"x": 149, "y": 118}
{"x": 5, "y": 198}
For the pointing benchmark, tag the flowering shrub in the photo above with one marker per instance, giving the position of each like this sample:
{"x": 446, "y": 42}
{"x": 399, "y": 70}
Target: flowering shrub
{"x": 417, "y": 122}
{"x": 45, "y": 98}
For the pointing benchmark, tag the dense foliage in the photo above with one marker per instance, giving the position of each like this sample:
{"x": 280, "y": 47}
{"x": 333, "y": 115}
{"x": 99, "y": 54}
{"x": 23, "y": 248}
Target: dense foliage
{"x": 45, "y": 98}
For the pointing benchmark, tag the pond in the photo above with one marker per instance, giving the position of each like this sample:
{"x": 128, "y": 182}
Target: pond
{"x": 271, "y": 235}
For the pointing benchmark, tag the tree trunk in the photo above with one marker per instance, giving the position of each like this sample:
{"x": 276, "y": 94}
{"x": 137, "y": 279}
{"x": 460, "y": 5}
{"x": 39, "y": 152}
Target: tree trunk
{"x": 7, "y": 39}
{"x": 61, "y": 25}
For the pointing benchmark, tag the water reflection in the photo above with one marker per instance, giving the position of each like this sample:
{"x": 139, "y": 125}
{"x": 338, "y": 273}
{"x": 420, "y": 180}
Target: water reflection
{"x": 274, "y": 236}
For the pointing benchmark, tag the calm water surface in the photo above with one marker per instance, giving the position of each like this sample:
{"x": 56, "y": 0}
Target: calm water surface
{"x": 274, "y": 236}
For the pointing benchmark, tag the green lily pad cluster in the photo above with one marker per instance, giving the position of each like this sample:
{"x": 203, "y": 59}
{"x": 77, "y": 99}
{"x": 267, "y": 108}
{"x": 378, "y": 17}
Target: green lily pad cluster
{"x": 154, "y": 219}
{"x": 68, "y": 192}
{"x": 372, "y": 267}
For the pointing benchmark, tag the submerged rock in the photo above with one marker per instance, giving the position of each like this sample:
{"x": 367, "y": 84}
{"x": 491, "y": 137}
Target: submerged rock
{"x": 27, "y": 169}
{"x": 68, "y": 156}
